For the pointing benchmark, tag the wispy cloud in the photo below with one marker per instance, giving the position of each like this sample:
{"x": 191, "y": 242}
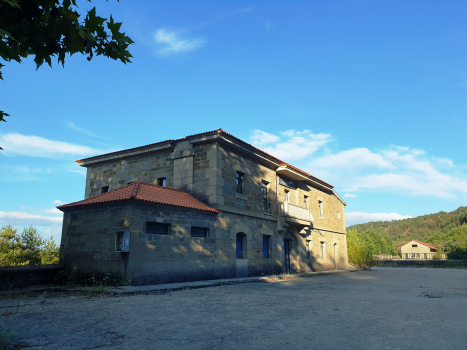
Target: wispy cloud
{"x": 269, "y": 26}
{"x": 26, "y": 219}
{"x": 81, "y": 130}
{"x": 395, "y": 169}
{"x": 350, "y": 195}
{"x": 36, "y": 146}
{"x": 57, "y": 201}
{"x": 358, "y": 217}
{"x": 170, "y": 43}
{"x": 290, "y": 144}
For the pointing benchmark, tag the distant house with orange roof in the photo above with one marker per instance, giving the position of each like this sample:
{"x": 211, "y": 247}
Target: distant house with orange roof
{"x": 418, "y": 250}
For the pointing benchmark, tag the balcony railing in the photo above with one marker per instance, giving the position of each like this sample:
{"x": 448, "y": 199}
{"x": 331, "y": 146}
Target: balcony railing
{"x": 294, "y": 211}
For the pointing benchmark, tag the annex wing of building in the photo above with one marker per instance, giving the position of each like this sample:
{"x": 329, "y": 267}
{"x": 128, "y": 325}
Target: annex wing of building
{"x": 206, "y": 206}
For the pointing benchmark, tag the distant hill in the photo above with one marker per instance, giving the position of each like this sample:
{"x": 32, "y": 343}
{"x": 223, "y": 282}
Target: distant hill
{"x": 437, "y": 229}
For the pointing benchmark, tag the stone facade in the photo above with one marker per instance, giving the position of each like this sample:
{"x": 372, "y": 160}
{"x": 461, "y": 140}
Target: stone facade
{"x": 261, "y": 215}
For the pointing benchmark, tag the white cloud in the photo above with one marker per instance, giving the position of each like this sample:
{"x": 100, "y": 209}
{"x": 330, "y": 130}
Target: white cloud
{"x": 81, "y": 130}
{"x": 395, "y": 169}
{"x": 57, "y": 201}
{"x": 350, "y": 195}
{"x": 52, "y": 211}
{"x": 170, "y": 43}
{"x": 36, "y": 146}
{"x": 26, "y": 219}
{"x": 358, "y": 217}
{"x": 291, "y": 144}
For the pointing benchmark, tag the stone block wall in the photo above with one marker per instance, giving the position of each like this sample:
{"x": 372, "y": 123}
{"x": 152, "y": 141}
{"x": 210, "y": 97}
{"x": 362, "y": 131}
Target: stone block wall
{"x": 116, "y": 174}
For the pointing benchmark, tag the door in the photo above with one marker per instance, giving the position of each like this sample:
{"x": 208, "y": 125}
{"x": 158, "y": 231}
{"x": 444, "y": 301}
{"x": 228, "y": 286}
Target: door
{"x": 287, "y": 255}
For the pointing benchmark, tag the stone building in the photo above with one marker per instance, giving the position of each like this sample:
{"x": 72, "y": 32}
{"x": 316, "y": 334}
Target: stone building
{"x": 418, "y": 250}
{"x": 205, "y": 206}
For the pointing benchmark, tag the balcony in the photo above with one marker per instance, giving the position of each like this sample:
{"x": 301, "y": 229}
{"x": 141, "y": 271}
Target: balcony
{"x": 294, "y": 212}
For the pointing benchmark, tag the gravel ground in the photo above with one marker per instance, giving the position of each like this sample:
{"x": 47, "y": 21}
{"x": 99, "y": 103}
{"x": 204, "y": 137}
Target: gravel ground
{"x": 384, "y": 308}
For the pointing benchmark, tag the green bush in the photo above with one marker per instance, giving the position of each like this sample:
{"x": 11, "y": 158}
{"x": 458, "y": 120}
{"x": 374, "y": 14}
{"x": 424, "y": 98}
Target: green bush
{"x": 360, "y": 253}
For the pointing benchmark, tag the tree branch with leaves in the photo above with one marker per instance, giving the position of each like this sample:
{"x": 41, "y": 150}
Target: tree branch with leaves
{"x": 52, "y": 28}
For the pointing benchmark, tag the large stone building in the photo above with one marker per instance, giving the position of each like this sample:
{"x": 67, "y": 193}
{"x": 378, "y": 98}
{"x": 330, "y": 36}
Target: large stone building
{"x": 202, "y": 207}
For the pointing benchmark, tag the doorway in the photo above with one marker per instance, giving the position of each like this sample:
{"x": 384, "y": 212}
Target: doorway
{"x": 287, "y": 243}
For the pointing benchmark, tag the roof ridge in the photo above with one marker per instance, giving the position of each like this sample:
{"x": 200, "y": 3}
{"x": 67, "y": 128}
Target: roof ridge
{"x": 135, "y": 189}
{"x": 154, "y": 185}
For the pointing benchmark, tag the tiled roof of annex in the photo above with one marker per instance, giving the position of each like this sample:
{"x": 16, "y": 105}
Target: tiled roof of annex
{"x": 207, "y": 133}
{"x": 145, "y": 192}
{"x": 425, "y": 244}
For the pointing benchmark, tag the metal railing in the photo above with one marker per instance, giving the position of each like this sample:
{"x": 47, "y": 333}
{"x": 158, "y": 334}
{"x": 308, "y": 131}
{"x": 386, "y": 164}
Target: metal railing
{"x": 294, "y": 211}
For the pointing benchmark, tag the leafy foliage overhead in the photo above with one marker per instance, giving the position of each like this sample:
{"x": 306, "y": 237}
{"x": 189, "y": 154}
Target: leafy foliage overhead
{"x": 52, "y": 28}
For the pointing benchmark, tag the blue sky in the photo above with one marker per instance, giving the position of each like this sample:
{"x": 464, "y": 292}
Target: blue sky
{"x": 369, "y": 96}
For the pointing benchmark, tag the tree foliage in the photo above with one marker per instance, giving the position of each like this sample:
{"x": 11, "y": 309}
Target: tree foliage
{"x": 26, "y": 248}
{"x": 53, "y": 28}
{"x": 446, "y": 231}
{"x": 359, "y": 252}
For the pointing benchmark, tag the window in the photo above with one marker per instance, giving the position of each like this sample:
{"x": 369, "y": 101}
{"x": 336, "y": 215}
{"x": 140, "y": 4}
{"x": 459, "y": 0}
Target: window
{"x": 199, "y": 232}
{"x": 307, "y": 247}
{"x": 156, "y": 228}
{"x": 265, "y": 246}
{"x": 239, "y": 246}
{"x": 322, "y": 250}
{"x": 286, "y": 182}
{"x": 239, "y": 181}
{"x": 413, "y": 256}
{"x": 414, "y": 245}
{"x": 418, "y": 255}
{"x": 162, "y": 181}
{"x": 306, "y": 202}
{"x": 426, "y": 256}
{"x": 320, "y": 208}
{"x": 129, "y": 183}
{"x": 105, "y": 189}
{"x": 264, "y": 196}
{"x": 286, "y": 196}
{"x": 122, "y": 241}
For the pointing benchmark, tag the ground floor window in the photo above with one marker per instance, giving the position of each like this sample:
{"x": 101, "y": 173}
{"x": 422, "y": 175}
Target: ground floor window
{"x": 322, "y": 250}
{"x": 199, "y": 232}
{"x": 240, "y": 238}
{"x": 307, "y": 247}
{"x": 265, "y": 246}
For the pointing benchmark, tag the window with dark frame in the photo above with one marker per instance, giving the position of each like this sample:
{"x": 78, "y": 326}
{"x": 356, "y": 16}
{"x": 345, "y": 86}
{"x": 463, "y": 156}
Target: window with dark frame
{"x": 320, "y": 208}
{"x": 286, "y": 182}
{"x": 156, "y": 228}
{"x": 239, "y": 181}
{"x": 414, "y": 245}
{"x": 264, "y": 196}
{"x": 287, "y": 196}
{"x": 129, "y": 183}
{"x": 265, "y": 246}
{"x": 162, "y": 181}
{"x": 199, "y": 231}
{"x": 105, "y": 189}
{"x": 306, "y": 202}
{"x": 239, "y": 246}
{"x": 308, "y": 243}
{"x": 322, "y": 250}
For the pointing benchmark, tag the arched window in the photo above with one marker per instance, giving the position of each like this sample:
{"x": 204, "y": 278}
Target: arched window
{"x": 240, "y": 246}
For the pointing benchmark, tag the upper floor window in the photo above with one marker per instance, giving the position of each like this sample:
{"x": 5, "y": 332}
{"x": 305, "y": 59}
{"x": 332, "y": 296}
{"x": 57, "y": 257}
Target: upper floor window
{"x": 287, "y": 193}
{"x": 264, "y": 196}
{"x": 286, "y": 182}
{"x": 240, "y": 179}
{"x": 162, "y": 181}
{"x": 414, "y": 245}
{"x": 306, "y": 202}
{"x": 320, "y": 208}
{"x": 105, "y": 189}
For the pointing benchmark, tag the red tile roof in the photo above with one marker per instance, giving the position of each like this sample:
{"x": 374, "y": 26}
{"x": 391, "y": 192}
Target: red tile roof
{"x": 425, "y": 244}
{"x": 218, "y": 131}
{"x": 145, "y": 192}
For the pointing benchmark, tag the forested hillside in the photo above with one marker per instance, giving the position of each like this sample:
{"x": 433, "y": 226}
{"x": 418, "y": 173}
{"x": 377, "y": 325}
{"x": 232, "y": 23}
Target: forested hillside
{"x": 446, "y": 231}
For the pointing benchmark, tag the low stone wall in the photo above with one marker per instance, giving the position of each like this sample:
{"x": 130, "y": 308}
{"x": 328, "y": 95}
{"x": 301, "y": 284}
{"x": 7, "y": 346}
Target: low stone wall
{"x": 27, "y": 275}
{"x": 422, "y": 263}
